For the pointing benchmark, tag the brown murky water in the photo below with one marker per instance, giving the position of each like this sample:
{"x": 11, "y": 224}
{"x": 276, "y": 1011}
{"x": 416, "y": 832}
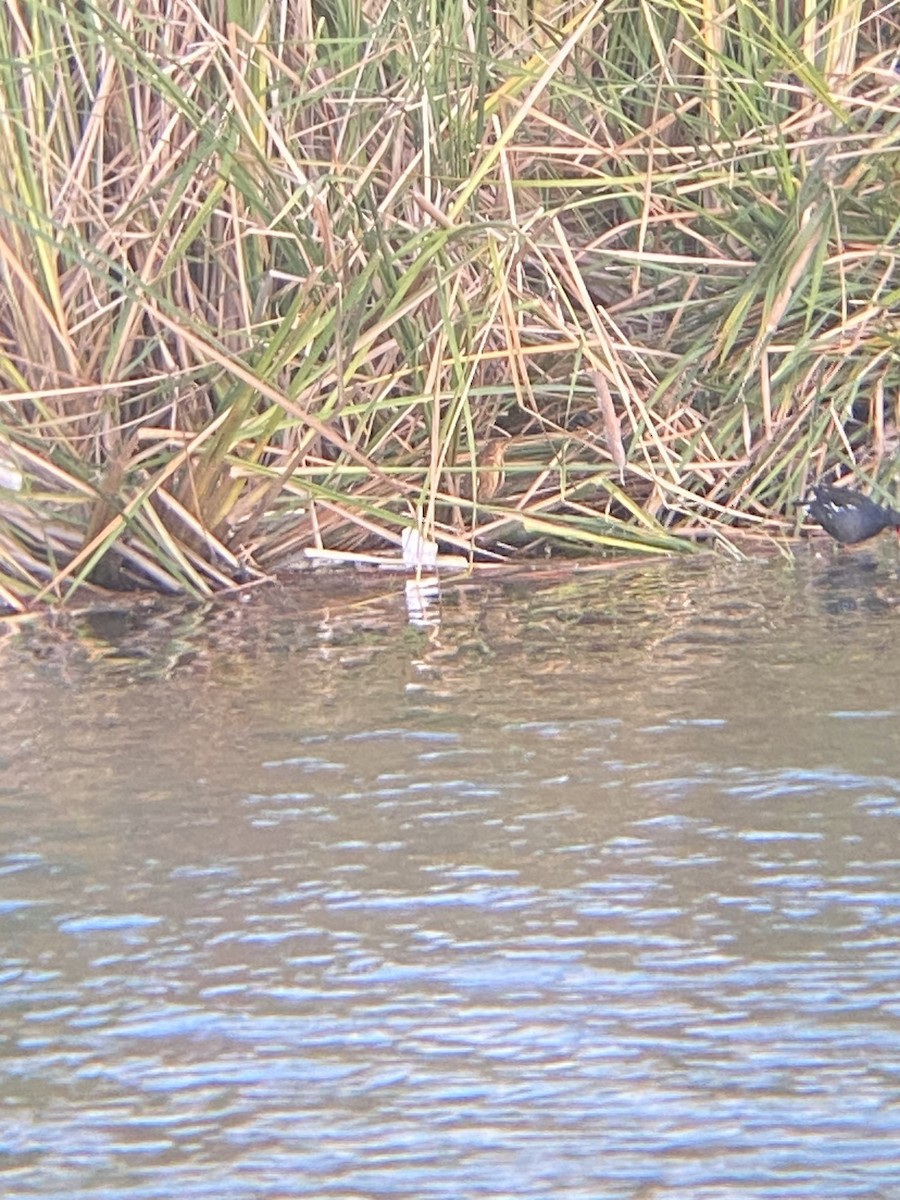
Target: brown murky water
{"x": 590, "y": 892}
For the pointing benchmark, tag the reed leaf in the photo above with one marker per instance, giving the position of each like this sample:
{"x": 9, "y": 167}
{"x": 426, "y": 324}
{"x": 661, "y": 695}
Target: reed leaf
{"x": 613, "y": 276}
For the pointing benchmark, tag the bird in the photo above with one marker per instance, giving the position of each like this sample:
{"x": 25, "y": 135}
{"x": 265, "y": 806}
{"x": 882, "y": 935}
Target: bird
{"x": 848, "y": 515}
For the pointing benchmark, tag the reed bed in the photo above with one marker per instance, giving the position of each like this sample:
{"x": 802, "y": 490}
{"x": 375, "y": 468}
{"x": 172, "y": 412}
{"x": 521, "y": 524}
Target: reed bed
{"x": 281, "y": 277}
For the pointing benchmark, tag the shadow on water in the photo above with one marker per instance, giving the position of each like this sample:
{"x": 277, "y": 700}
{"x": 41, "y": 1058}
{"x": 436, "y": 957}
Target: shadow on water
{"x": 588, "y": 890}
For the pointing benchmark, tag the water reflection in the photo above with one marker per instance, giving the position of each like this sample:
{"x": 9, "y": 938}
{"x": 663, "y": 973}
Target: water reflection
{"x": 588, "y": 892}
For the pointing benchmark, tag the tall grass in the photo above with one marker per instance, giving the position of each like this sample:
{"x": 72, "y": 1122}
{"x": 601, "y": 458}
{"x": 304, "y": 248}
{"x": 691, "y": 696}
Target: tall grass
{"x": 280, "y": 276}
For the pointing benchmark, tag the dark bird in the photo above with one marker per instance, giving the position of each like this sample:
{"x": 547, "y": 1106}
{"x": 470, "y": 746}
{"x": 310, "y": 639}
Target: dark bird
{"x": 847, "y": 515}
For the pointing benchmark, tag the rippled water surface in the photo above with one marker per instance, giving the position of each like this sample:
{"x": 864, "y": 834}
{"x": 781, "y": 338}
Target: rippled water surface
{"x": 592, "y": 892}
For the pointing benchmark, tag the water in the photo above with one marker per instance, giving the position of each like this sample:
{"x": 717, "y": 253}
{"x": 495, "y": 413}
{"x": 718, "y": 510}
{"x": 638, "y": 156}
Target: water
{"x": 591, "y": 892}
